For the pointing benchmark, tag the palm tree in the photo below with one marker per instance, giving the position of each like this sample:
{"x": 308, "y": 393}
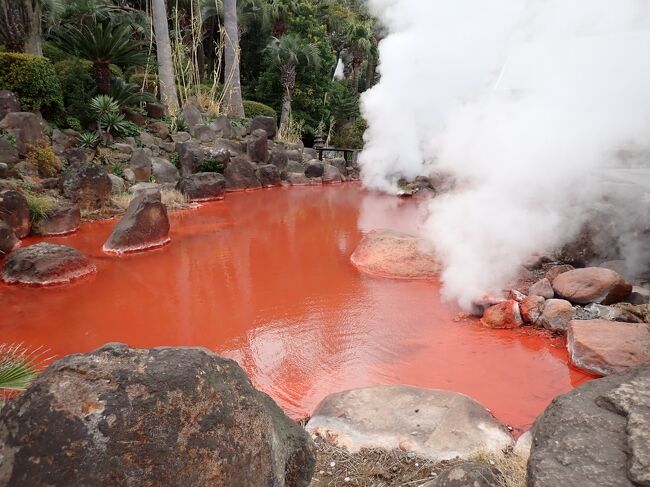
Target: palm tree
{"x": 359, "y": 41}
{"x": 279, "y": 12}
{"x": 164, "y": 54}
{"x": 287, "y": 53}
{"x": 103, "y": 44}
{"x": 232, "y": 78}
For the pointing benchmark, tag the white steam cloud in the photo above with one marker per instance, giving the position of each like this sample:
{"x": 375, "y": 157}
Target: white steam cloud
{"x": 524, "y": 103}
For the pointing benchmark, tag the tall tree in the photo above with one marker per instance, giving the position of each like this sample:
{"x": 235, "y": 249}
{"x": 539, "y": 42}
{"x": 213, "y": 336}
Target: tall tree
{"x": 232, "y": 79}
{"x": 360, "y": 37}
{"x": 20, "y": 25}
{"x": 166, "y": 77}
{"x": 287, "y": 53}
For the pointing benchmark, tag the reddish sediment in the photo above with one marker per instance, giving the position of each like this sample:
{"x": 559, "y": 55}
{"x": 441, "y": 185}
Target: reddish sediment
{"x": 265, "y": 278}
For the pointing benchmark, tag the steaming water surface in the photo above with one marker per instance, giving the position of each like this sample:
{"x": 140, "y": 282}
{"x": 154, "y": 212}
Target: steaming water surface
{"x": 265, "y": 278}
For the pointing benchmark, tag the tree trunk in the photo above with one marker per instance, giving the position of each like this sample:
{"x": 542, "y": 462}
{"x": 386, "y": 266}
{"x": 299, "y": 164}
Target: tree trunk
{"x": 102, "y": 73}
{"x": 370, "y": 74}
{"x": 33, "y": 44}
{"x": 232, "y": 81}
{"x": 288, "y": 80}
{"x": 166, "y": 76}
{"x": 356, "y": 74}
{"x": 14, "y": 23}
{"x": 286, "y": 108}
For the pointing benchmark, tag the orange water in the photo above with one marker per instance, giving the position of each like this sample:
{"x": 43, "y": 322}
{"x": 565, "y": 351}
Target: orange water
{"x": 264, "y": 277}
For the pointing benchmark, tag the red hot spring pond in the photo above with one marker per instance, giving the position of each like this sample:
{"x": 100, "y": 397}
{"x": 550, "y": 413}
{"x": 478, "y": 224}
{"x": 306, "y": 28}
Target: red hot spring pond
{"x": 265, "y": 278}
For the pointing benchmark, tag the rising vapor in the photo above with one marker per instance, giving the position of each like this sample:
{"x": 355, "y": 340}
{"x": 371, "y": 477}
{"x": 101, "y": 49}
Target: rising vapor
{"x": 524, "y": 103}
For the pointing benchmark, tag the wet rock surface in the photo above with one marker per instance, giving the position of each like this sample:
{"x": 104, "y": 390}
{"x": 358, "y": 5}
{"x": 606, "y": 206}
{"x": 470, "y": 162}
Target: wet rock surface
{"x": 63, "y": 219}
{"x": 331, "y": 174}
{"x": 14, "y": 211}
{"x": 608, "y": 347}
{"x": 392, "y": 254}
{"x": 596, "y": 434}
{"x": 503, "y": 315}
{"x": 434, "y": 424}
{"x": 203, "y": 186}
{"x": 269, "y": 175}
{"x": 531, "y": 308}
{"x": 45, "y": 264}
{"x": 162, "y": 417}
{"x": 591, "y": 285}
{"x": 145, "y": 225}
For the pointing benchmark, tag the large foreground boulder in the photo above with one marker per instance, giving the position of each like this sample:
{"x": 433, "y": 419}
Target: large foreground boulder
{"x": 63, "y": 219}
{"x": 596, "y": 435}
{"x": 591, "y": 285}
{"x": 434, "y": 424}
{"x": 203, "y": 186}
{"x": 145, "y": 225}
{"x": 88, "y": 185}
{"x": 45, "y": 264}
{"x": 241, "y": 174}
{"x": 162, "y": 417}
{"x": 392, "y": 254}
{"x": 607, "y": 347}
{"x": 8, "y": 239}
{"x": 14, "y": 211}
{"x": 269, "y": 176}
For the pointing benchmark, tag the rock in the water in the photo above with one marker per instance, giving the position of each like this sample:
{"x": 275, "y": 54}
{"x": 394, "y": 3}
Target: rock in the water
{"x": 14, "y": 211}
{"x": 145, "y": 225}
{"x": 434, "y": 424}
{"x": 591, "y": 285}
{"x": 269, "y": 176}
{"x": 45, "y": 264}
{"x": 8, "y": 239}
{"x": 163, "y": 171}
{"x": 556, "y": 315}
{"x": 607, "y": 347}
{"x": 63, "y": 219}
{"x": 314, "y": 169}
{"x": 140, "y": 164}
{"x": 595, "y": 435}
{"x": 241, "y": 174}
{"x": 119, "y": 416}
{"x": 257, "y": 146}
{"x": 88, "y": 185}
{"x": 542, "y": 288}
{"x": 392, "y": 254}
{"x": 8, "y": 103}
{"x": 268, "y": 124}
{"x": 26, "y": 127}
{"x": 468, "y": 474}
{"x": 503, "y": 315}
{"x": 531, "y": 308}
{"x": 331, "y": 174}
{"x": 203, "y": 186}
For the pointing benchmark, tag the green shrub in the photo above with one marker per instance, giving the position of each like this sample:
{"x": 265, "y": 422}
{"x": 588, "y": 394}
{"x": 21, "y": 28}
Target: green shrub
{"x": 78, "y": 87}
{"x": 40, "y": 205}
{"x": 43, "y": 157}
{"x": 150, "y": 81}
{"x": 54, "y": 54}
{"x": 33, "y": 80}
{"x": 350, "y": 136}
{"x": 211, "y": 165}
{"x": 255, "y": 108}
{"x": 73, "y": 123}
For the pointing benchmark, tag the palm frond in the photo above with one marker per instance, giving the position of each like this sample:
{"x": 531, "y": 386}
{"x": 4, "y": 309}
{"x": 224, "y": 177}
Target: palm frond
{"x": 19, "y": 365}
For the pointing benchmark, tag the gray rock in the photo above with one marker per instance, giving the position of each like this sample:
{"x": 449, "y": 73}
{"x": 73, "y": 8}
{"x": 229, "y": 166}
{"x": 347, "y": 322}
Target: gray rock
{"x": 434, "y": 424}
{"x": 556, "y": 315}
{"x": 63, "y": 219}
{"x": 294, "y": 155}
{"x": 63, "y": 141}
{"x": 468, "y": 474}
{"x": 8, "y": 103}
{"x": 542, "y": 288}
{"x": 43, "y": 264}
{"x": 87, "y": 185}
{"x": 8, "y": 153}
{"x": 164, "y": 171}
{"x": 279, "y": 158}
{"x": 14, "y": 211}
{"x": 168, "y": 147}
{"x": 257, "y": 146}
{"x": 123, "y": 148}
{"x": 221, "y": 127}
{"x": 117, "y": 184}
{"x": 331, "y": 174}
{"x": 156, "y": 110}
{"x": 268, "y": 124}
{"x": 140, "y": 164}
{"x": 203, "y": 133}
{"x": 78, "y": 156}
{"x": 145, "y": 225}
{"x": 119, "y": 416}
{"x": 241, "y": 174}
{"x": 180, "y": 137}
{"x": 297, "y": 179}
{"x": 8, "y": 239}
{"x": 159, "y": 129}
{"x": 203, "y": 186}
{"x": 596, "y": 434}
{"x": 139, "y": 188}
{"x": 148, "y": 140}
{"x": 295, "y": 166}
{"x": 341, "y": 164}
{"x": 129, "y": 176}
{"x": 4, "y": 170}
{"x": 235, "y": 147}
{"x": 308, "y": 154}
{"x": 639, "y": 295}
{"x": 314, "y": 169}
{"x": 27, "y": 128}
{"x": 191, "y": 115}
{"x": 269, "y": 176}
{"x": 190, "y": 157}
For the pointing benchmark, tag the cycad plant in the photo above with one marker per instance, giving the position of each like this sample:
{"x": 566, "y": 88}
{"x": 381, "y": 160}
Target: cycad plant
{"x": 288, "y": 52}
{"x": 103, "y": 44}
{"x": 19, "y": 366}
{"x": 101, "y": 106}
{"x": 129, "y": 94}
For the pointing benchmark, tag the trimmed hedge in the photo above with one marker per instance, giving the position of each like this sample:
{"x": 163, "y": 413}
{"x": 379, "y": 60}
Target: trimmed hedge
{"x": 255, "y": 108}
{"x": 33, "y": 80}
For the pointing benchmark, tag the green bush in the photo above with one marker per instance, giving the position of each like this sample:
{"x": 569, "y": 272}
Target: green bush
{"x": 150, "y": 81}
{"x": 54, "y": 54}
{"x": 255, "y": 108}
{"x": 78, "y": 87}
{"x": 350, "y": 136}
{"x": 33, "y": 80}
